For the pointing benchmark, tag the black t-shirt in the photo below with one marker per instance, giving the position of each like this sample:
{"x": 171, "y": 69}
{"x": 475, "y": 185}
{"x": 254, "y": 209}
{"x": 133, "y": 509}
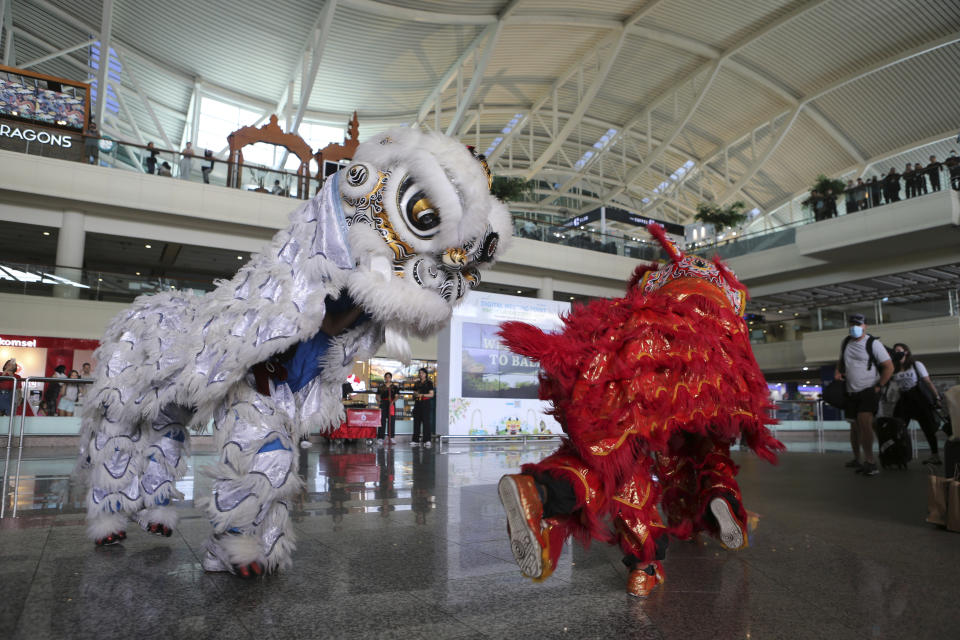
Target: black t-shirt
{"x": 387, "y": 394}
{"x": 422, "y": 388}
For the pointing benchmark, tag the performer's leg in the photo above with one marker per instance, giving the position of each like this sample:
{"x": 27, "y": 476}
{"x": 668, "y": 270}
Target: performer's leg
{"x": 642, "y": 536}
{"x": 115, "y": 465}
{"x": 163, "y": 462}
{"x": 254, "y": 481}
{"x": 678, "y": 482}
{"x": 700, "y": 492}
{"x": 549, "y": 501}
{"x": 384, "y": 416}
{"x": 417, "y": 424}
{"x": 721, "y": 503}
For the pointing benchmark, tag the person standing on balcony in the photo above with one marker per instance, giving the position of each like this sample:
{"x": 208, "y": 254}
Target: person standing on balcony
{"x": 952, "y": 163}
{"x": 912, "y": 378}
{"x": 152, "y": 158}
{"x": 875, "y": 192}
{"x": 866, "y": 367}
{"x": 891, "y": 186}
{"x": 933, "y": 172}
{"x": 920, "y": 179}
{"x": 829, "y": 205}
{"x": 207, "y": 156}
{"x": 851, "y": 196}
{"x": 908, "y": 181}
{"x": 91, "y": 144}
{"x": 186, "y": 162}
{"x": 860, "y": 193}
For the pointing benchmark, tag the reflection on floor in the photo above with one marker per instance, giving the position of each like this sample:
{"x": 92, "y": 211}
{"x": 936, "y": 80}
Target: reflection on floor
{"x": 411, "y": 544}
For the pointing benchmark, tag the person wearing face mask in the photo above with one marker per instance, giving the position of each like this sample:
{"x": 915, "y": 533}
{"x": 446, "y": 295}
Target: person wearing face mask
{"x": 866, "y": 367}
{"x": 913, "y": 405}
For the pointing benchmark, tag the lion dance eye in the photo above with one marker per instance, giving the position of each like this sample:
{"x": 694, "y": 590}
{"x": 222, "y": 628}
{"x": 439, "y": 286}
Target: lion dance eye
{"x": 421, "y": 216}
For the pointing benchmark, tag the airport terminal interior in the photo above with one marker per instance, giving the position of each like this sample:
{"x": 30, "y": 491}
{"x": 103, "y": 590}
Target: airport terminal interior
{"x": 480, "y": 319}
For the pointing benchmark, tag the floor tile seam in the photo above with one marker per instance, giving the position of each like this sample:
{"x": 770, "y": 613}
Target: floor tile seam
{"x": 799, "y": 595}
{"x": 447, "y": 613}
{"x": 33, "y": 578}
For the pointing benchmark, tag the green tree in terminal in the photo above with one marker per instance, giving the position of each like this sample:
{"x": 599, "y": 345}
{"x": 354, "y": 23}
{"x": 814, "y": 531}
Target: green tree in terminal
{"x": 721, "y": 217}
{"x": 824, "y": 187}
{"x": 510, "y": 189}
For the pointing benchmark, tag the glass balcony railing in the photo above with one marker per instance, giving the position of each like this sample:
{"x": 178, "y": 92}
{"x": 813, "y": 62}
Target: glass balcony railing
{"x": 584, "y": 238}
{"x": 784, "y": 325}
{"x": 214, "y": 170}
{"x": 84, "y": 284}
{"x": 197, "y": 167}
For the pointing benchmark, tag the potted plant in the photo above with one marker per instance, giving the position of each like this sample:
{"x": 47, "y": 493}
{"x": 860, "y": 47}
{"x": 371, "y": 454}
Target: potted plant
{"x": 721, "y": 217}
{"x": 823, "y": 197}
{"x": 509, "y": 189}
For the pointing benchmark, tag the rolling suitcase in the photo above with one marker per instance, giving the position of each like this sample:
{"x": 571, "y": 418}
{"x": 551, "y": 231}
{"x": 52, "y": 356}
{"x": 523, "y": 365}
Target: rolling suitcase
{"x": 951, "y": 449}
{"x": 894, "y": 441}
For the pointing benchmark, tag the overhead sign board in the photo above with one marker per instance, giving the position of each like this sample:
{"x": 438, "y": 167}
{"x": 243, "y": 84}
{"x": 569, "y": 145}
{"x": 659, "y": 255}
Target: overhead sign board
{"x": 626, "y": 217}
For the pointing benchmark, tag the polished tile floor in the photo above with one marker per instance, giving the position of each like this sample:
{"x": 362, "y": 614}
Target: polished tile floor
{"x": 401, "y": 543}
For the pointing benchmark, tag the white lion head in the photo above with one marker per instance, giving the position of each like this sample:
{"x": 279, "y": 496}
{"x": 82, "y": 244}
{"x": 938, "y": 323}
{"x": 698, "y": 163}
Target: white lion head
{"x": 421, "y": 224}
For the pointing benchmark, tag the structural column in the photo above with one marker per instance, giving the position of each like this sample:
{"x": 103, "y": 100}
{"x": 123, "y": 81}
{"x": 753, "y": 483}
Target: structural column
{"x": 70, "y": 243}
{"x": 545, "y": 291}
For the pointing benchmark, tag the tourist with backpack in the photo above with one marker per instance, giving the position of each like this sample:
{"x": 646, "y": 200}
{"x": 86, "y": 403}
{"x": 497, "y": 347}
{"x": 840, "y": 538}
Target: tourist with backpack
{"x": 918, "y": 397}
{"x": 866, "y": 367}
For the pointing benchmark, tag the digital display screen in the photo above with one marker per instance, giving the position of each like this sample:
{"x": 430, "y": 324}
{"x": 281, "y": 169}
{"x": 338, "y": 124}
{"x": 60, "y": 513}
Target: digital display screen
{"x": 43, "y": 100}
{"x": 489, "y": 370}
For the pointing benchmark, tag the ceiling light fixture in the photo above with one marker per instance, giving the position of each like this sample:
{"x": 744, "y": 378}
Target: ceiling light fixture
{"x": 138, "y": 273}
{"x": 46, "y": 233}
{"x": 146, "y": 246}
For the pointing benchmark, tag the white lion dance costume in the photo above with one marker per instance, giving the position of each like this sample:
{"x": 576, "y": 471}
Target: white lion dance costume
{"x": 384, "y": 251}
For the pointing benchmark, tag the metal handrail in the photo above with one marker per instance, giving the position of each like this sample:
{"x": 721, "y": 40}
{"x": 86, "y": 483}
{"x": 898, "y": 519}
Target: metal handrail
{"x": 6, "y": 463}
{"x": 523, "y": 437}
{"x": 23, "y": 422}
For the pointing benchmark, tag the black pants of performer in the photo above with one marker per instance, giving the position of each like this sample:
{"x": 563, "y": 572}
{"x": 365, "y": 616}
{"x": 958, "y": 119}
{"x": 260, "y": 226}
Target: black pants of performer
{"x": 388, "y": 423}
{"x": 921, "y": 186}
{"x": 913, "y": 406}
{"x": 422, "y": 429}
{"x": 935, "y": 181}
{"x": 851, "y": 206}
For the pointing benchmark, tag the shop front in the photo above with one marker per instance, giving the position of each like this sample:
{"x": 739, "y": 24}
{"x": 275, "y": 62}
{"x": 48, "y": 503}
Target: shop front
{"x": 39, "y": 356}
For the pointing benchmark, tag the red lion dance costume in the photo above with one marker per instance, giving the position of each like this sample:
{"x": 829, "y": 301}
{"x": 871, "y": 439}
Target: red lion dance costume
{"x": 651, "y": 390}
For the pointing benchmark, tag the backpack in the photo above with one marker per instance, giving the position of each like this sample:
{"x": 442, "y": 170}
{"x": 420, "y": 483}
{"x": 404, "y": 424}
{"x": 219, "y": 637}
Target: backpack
{"x": 928, "y": 396}
{"x": 871, "y": 359}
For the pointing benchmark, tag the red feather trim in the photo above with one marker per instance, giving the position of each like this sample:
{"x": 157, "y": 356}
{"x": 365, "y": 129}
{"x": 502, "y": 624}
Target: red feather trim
{"x": 729, "y": 276}
{"x": 668, "y": 245}
{"x": 638, "y": 274}
{"x": 624, "y": 375}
